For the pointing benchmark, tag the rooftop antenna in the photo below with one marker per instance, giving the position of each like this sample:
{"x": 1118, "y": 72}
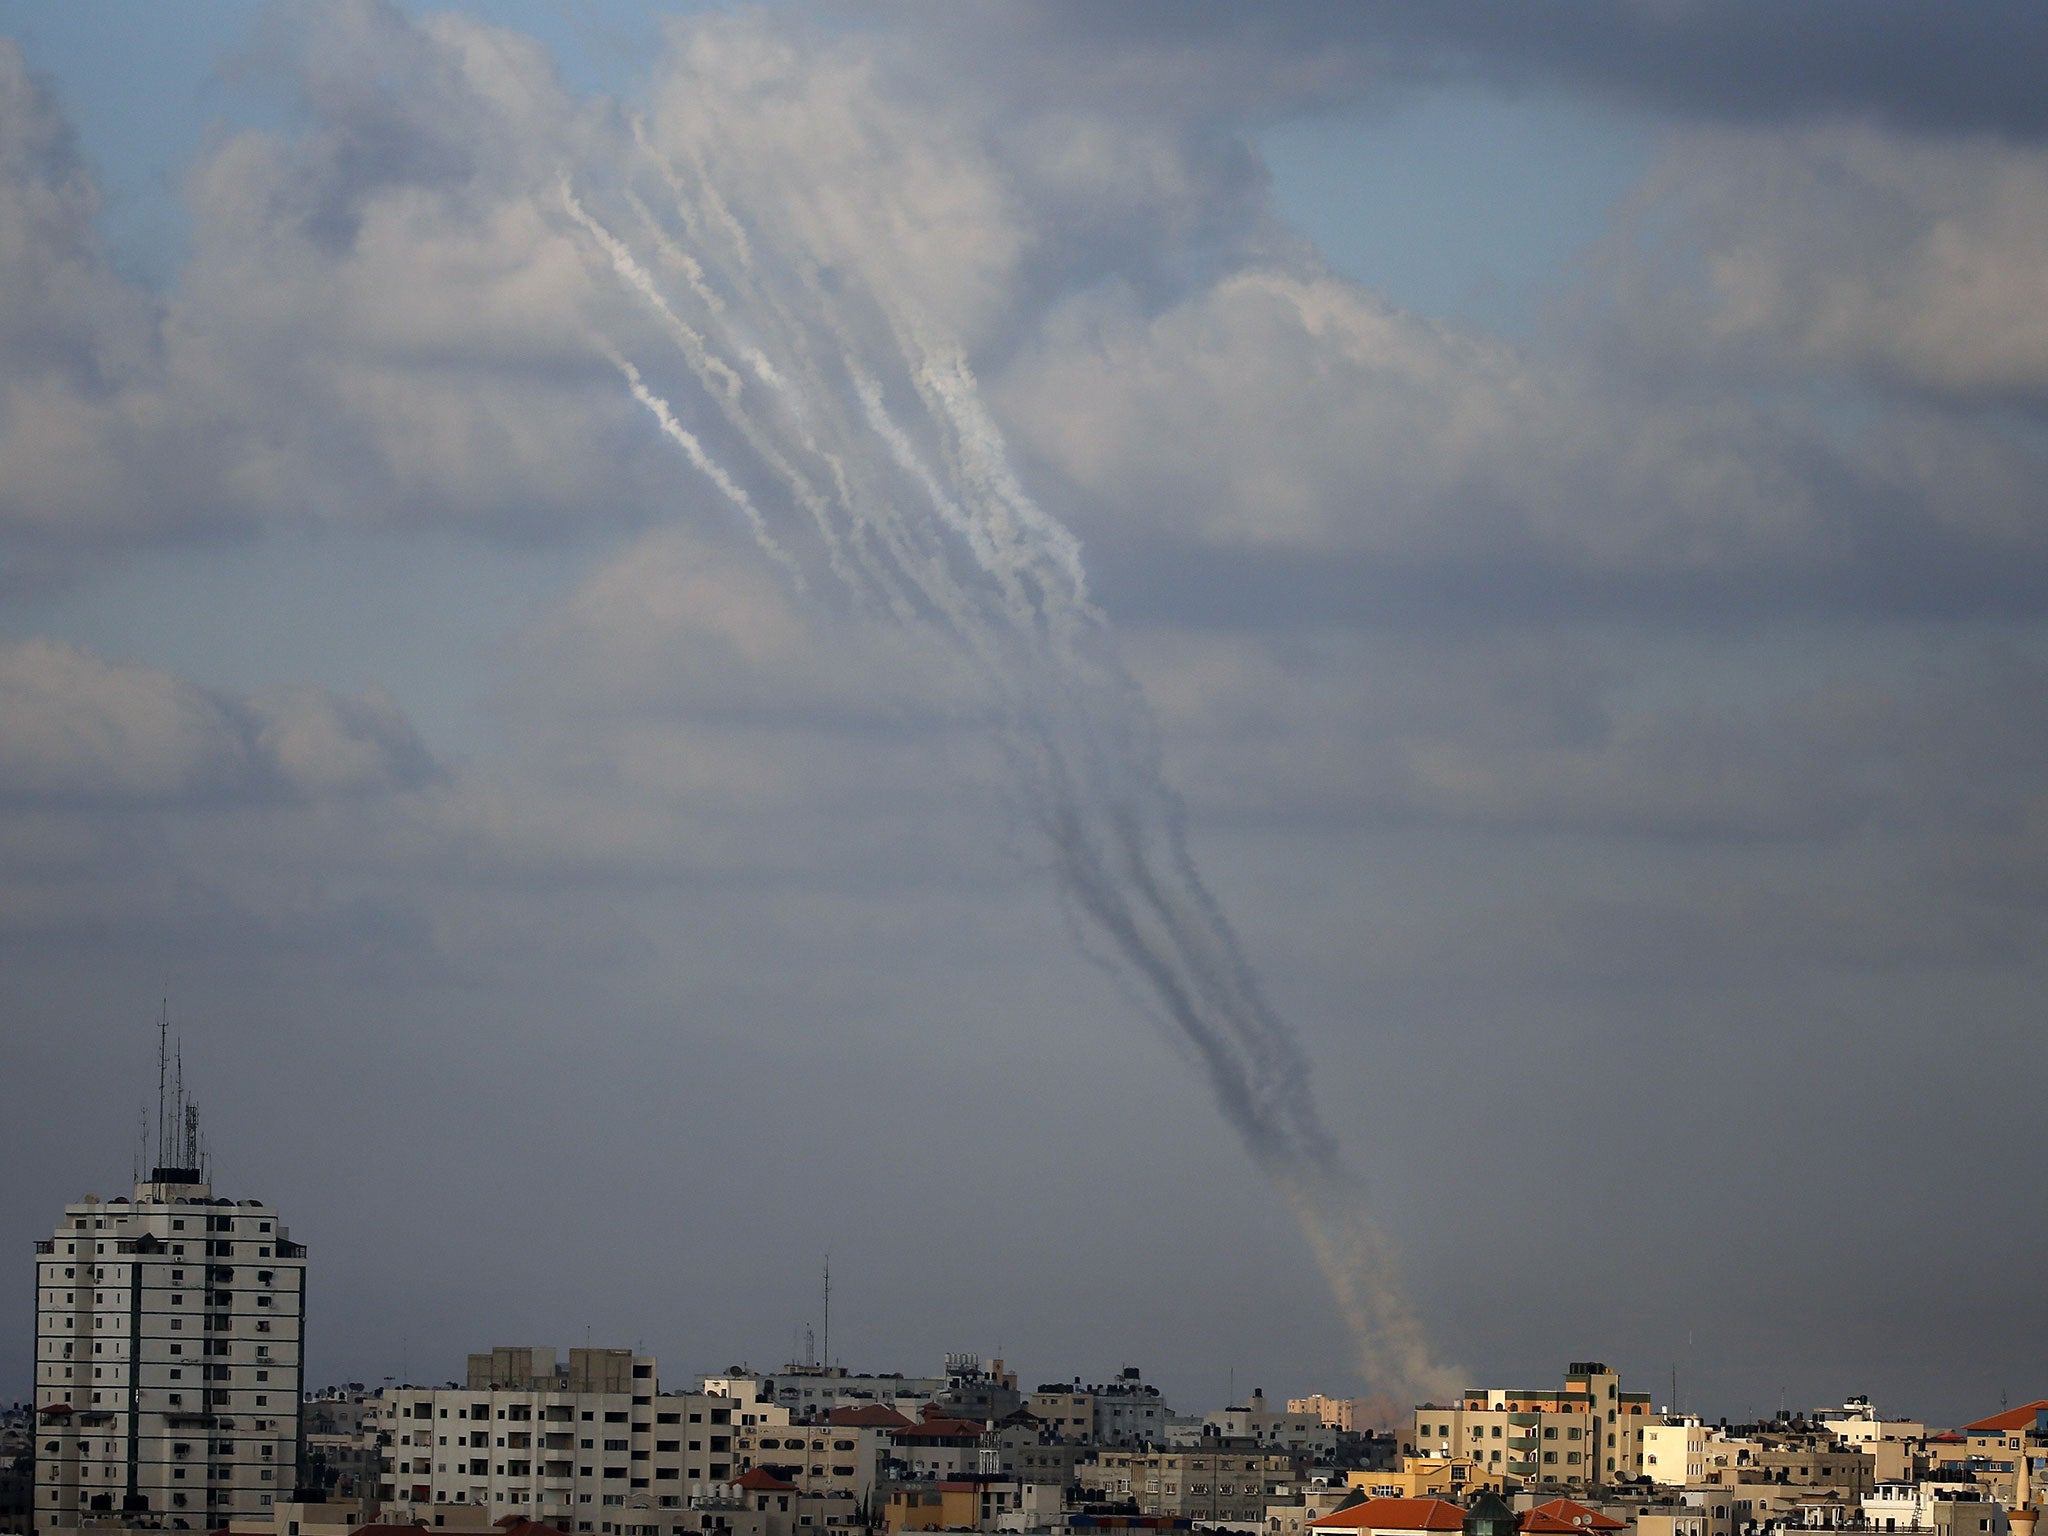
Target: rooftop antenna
{"x": 163, "y": 1037}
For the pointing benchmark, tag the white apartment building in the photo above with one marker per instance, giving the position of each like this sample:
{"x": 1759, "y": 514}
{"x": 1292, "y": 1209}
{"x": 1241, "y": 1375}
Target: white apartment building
{"x": 1681, "y": 1451}
{"x": 809, "y": 1390}
{"x": 1124, "y": 1411}
{"x": 167, "y": 1365}
{"x": 1951, "y": 1508}
{"x": 1295, "y": 1431}
{"x": 574, "y": 1447}
{"x": 1856, "y": 1423}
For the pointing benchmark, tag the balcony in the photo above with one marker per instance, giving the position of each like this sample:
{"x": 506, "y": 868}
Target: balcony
{"x": 46, "y": 1245}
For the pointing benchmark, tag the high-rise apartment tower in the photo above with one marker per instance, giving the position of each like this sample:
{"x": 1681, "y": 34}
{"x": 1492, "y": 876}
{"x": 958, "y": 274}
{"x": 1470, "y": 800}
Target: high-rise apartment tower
{"x": 168, "y": 1365}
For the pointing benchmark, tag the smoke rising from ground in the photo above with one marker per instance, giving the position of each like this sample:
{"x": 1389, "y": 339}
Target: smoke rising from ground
{"x": 850, "y": 439}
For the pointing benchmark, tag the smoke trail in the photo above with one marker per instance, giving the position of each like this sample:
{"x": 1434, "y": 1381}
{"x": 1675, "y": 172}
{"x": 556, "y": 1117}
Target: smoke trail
{"x": 878, "y": 434}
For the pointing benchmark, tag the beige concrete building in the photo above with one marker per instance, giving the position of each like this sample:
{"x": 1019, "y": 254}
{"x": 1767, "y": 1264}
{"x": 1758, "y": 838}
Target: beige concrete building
{"x": 167, "y": 1358}
{"x": 1124, "y": 1411}
{"x": 1067, "y": 1413}
{"x": 1051, "y": 1463}
{"x": 1292, "y": 1516}
{"x": 819, "y": 1459}
{"x": 1798, "y": 1462}
{"x": 1583, "y": 1435}
{"x": 1416, "y": 1477}
{"x": 1233, "y": 1483}
{"x": 1302, "y": 1432}
{"x": 1352, "y": 1415}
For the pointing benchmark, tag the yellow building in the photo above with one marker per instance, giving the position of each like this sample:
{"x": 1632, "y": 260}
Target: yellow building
{"x": 1422, "y": 1477}
{"x": 951, "y": 1504}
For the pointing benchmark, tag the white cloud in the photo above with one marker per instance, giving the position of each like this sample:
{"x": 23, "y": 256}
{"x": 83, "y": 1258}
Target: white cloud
{"x": 1918, "y": 263}
{"x": 84, "y": 730}
{"x": 1299, "y": 412}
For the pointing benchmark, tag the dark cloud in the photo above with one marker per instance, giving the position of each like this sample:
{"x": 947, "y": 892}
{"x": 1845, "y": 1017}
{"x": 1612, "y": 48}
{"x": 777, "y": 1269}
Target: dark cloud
{"x": 1914, "y": 64}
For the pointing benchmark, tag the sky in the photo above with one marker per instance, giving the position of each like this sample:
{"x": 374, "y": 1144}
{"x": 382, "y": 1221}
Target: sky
{"x": 1548, "y": 509}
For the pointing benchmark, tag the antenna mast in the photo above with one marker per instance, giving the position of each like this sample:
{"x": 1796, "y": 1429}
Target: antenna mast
{"x": 163, "y": 1053}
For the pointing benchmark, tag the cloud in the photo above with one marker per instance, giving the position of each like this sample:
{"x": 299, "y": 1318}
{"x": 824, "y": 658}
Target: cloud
{"x": 381, "y": 320}
{"x": 1540, "y": 735}
{"x": 94, "y": 445}
{"x": 85, "y": 731}
{"x": 1915, "y": 64}
{"x": 1297, "y": 411}
{"x": 1915, "y": 265}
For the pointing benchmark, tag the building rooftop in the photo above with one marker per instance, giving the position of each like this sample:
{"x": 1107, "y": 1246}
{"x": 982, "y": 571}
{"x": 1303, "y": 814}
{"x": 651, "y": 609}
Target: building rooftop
{"x": 1394, "y": 1515}
{"x": 2022, "y": 1417}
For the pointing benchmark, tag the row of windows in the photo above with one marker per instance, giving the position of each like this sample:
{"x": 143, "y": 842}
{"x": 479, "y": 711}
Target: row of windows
{"x": 213, "y": 1223}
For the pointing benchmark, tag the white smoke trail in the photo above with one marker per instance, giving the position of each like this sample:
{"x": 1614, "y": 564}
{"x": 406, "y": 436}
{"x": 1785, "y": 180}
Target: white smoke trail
{"x": 709, "y": 468}
{"x": 891, "y": 455}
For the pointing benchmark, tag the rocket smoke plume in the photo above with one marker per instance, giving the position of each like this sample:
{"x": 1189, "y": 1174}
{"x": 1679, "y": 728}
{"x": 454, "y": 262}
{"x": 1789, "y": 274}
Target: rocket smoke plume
{"x": 862, "y": 459}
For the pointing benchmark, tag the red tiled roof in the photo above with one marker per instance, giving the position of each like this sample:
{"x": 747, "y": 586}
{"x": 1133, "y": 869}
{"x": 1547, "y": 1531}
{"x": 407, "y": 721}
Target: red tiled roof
{"x": 1568, "y": 1517}
{"x": 939, "y": 1427}
{"x": 869, "y": 1416}
{"x": 2021, "y": 1417}
{"x": 761, "y": 1480}
{"x": 1394, "y": 1515}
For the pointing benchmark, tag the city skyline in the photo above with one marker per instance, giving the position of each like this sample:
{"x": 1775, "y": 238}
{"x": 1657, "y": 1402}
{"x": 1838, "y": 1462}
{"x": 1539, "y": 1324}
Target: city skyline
{"x": 1426, "y": 668}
